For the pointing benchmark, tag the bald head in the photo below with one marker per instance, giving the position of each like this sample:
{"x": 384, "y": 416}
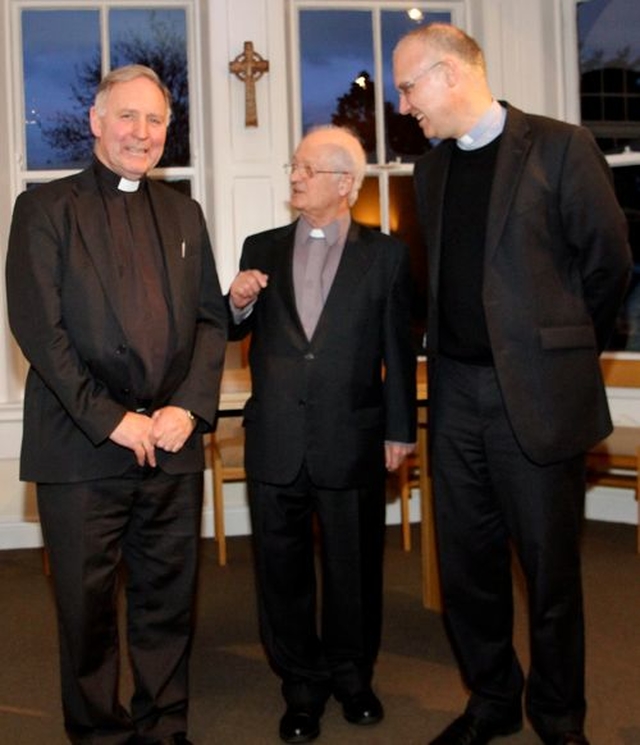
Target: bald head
{"x": 342, "y": 150}
{"x": 447, "y": 40}
{"x": 440, "y": 75}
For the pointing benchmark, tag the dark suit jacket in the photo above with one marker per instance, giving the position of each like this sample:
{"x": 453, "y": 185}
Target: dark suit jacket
{"x": 556, "y": 266}
{"x": 325, "y": 400}
{"x": 65, "y": 311}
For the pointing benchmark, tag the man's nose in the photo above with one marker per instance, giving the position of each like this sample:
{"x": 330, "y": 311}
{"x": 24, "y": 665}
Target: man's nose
{"x": 403, "y": 105}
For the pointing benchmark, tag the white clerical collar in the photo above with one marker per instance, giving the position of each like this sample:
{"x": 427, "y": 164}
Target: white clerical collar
{"x": 316, "y": 233}
{"x": 127, "y": 185}
{"x": 486, "y": 130}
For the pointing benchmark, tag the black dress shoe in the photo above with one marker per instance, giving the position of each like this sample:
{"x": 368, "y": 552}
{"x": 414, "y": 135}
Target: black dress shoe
{"x": 566, "y": 738}
{"x": 178, "y": 738}
{"x": 470, "y": 730}
{"x": 363, "y": 708}
{"x": 299, "y": 725}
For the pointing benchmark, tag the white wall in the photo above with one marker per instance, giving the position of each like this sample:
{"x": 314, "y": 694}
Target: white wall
{"x": 245, "y": 189}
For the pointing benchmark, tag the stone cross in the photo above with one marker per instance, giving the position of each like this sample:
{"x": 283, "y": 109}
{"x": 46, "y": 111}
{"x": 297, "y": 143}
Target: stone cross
{"x": 249, "y": 67}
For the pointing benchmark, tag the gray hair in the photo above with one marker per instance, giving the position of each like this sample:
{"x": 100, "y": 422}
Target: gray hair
{"x": 125, "y": 75}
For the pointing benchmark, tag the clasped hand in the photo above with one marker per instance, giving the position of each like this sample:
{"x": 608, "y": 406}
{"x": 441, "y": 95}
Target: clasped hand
{"x": 168, "y": 429}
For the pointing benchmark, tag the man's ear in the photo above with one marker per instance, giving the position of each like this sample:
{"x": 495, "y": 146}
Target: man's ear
{"x": 345, "y": 183}
{"x": 95, "y": 122}
{"x": 451, "y": 71}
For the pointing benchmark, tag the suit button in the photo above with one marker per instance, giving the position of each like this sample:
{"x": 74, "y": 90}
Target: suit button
{"x": 309, "y": 356}
{"x": 121, "y": 349}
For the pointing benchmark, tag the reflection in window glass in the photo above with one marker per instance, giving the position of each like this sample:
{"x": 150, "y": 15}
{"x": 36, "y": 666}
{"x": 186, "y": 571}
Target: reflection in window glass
{"x": 158, "y": 39}
{"x": 405, "y": 140}
{"x": 627, "y": 333}
{"x": 61, "y": 62}
{"x": 610, "y": 107}
{"x": 336, "y": 71}
{"x": 610, "y": 72}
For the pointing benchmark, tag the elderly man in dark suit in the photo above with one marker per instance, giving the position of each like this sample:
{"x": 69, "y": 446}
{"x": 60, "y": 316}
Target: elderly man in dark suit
{"x": 528, "y": 263}
{"x": 333, "y": 400}
{"x": 114, "y": 299}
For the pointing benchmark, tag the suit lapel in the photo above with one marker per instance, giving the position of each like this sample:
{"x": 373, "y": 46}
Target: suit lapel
{"x": 510, "y": 163}
{"x": 431, "y": 185}
{"x": 93, "y": 225}
{"x": 173, "y": 245}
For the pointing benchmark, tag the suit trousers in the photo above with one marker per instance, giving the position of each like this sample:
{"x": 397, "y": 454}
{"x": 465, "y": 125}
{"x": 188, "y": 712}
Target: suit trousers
{"x": 149, "y": 522}
{"x": 347, "y": 525}
{"x": 489, "y": 497}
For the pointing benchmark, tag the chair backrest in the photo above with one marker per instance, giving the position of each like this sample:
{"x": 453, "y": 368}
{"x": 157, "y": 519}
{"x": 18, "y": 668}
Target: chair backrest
{"x": 620, "y": 372}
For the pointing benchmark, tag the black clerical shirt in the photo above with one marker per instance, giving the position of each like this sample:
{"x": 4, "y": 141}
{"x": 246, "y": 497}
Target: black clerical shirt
{"x": 140, "y": 265}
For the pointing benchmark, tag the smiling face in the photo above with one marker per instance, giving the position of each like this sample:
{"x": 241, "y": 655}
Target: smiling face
{"x": 423, "y": 80}
{"x": 131, "y": 130}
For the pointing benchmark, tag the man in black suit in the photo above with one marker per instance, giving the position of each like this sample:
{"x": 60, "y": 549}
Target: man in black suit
{"x": 114, "y": 299}
{"x": 333, "y": 401}
{"x": 528, "y": 263}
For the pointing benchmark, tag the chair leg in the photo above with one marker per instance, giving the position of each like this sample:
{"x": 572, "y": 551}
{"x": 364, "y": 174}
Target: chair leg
{"x": 405, "y": 496}
{"x": 218, "y": 504}
{"x": 218, "y": 522}
{"x": 638, "y": 500}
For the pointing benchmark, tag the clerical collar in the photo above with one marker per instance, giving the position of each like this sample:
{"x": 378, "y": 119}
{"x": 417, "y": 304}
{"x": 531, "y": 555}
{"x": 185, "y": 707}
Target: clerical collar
{"x": 114, "y": 180}
{"x": 331, "y": 232}
{"x": 490, "y": 126}
{"x": 127, "y": 185}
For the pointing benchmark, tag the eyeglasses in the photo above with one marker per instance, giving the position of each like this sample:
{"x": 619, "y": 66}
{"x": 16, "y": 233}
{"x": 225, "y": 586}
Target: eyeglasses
{"x": 307, "y": 171}
{"x": 406, "y": 88}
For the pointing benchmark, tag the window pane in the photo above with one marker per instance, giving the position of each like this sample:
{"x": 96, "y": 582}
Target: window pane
{"x": 61, "y": 59}
{"x": 610, "y": 71}
{"x": 336, "y": 71}
{"x": 367, "y": 209}
{"x": 158, "y": 39}
{"x": 627, "y": 332}
{"x": 405, "y": 141}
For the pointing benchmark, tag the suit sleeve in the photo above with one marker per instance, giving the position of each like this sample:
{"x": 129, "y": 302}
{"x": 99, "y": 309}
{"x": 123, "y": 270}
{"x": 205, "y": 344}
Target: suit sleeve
{"x": 199, "y": 391}
{"x": 596, "y": 229}
{"x": 34, "y": 275}
{"x": 399, "y": 356}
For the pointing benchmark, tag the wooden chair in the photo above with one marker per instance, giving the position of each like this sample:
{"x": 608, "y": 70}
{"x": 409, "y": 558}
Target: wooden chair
{"x": 616, "y": 460}
{"x": 227, "y": 464}
{"x": 408, "y": 478}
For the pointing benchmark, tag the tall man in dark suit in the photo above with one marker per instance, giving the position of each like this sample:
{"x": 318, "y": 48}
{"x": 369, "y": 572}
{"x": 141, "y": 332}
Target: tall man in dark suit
{"x": 327, "y": 303}
{"x": 528, "y": 262}
{"x": 114, "y": 299}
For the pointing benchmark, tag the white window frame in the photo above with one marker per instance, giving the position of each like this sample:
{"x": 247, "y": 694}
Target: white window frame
{"x": 20, "y": 175}
{"x": 572, "y": 81}
{"x": 380, "y": 170}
